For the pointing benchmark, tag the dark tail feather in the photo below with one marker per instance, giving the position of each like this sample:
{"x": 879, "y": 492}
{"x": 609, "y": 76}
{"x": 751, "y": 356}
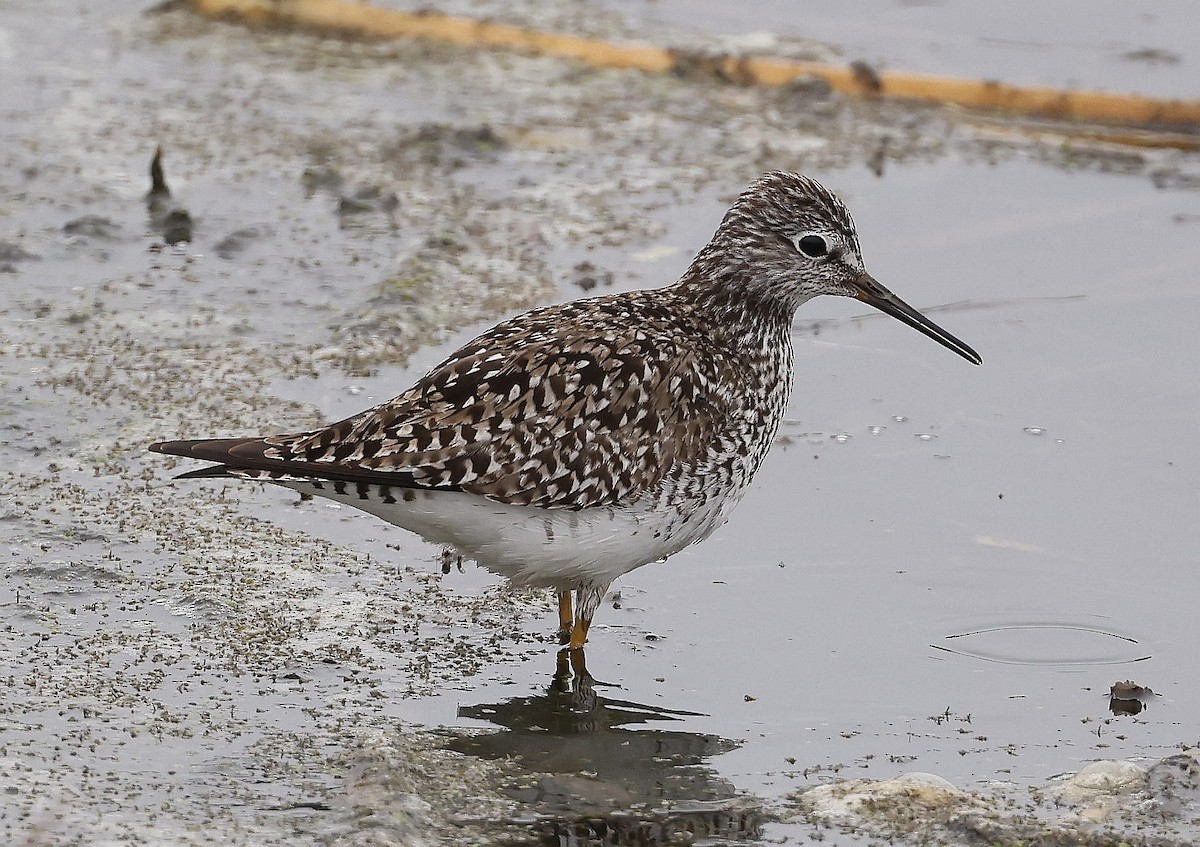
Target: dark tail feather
{"x": 205, "y": 473}
{"x": 223, "y": 451}
{"x": 227, "y": 451}
{"x": 248, "y": 454}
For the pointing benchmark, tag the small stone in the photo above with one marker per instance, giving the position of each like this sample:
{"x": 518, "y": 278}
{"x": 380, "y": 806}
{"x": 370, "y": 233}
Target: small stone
{"x": 908, "y": 791}
{"x": 1107, "y": 778}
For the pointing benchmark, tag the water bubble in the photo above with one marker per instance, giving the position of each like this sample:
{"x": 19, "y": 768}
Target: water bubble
{"x": 926, "y": 436}
{"x": 876, "y": 430}
{"x": 900, "y": 418}
{"x": 840, "y": 438}
{"x": 1036, "y": 430}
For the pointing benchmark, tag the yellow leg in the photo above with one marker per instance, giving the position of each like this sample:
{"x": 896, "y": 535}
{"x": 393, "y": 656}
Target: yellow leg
{"x": 565, "y": 617}
{"x": 579, "y": 633}
{"x": 587, "y": 599}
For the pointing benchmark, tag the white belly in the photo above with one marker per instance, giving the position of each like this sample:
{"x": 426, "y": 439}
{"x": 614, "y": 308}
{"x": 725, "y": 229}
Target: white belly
{"x": 533, "y": 546}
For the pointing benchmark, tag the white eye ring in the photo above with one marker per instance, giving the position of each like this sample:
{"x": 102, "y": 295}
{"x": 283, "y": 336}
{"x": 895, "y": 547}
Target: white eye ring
{"x": 813, "y": 246}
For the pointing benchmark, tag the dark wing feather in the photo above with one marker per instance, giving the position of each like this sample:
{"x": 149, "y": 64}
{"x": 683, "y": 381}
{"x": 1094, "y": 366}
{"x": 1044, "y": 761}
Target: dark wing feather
{"x": 584, "y": 404}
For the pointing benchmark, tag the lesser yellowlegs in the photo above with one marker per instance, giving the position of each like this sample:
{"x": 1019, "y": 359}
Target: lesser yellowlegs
{"x": 571, "y": 444}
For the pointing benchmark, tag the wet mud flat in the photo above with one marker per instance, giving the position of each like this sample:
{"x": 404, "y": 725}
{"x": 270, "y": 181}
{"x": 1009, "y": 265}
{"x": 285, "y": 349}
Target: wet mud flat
{"x": 221, "y": 664}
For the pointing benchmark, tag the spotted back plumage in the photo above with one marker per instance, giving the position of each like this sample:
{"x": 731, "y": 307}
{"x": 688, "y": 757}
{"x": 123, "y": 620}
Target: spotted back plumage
{"x": 661, "y": 397}
{"x": 572, "y": 406}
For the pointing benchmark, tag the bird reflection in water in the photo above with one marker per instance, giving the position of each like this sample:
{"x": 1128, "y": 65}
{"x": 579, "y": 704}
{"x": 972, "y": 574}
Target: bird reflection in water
{"x": 595, "y": 773}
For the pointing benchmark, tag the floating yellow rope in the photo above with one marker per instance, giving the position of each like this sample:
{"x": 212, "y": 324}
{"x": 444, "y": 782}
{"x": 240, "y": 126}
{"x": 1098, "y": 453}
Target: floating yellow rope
{"x": 1179, "y": 117}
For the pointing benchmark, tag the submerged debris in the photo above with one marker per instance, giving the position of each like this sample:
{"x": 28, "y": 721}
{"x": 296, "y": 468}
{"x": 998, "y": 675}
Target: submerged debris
{"x": 10, "y": 254}
{"x": 92, "y": 226}
{"x": 1128, "y": 698}
{"x": 238, "y": 240}
{"x": 167, "y": 217}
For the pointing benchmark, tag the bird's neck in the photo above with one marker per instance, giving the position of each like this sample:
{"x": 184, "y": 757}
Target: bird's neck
{"x": 729, "y": 300}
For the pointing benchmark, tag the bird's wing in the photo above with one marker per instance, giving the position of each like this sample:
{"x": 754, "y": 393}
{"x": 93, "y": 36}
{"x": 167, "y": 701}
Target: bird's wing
{"x": 590, "y": 403}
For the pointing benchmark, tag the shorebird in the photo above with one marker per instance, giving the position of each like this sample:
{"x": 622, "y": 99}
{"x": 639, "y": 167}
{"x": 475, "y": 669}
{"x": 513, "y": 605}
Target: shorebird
{"x": 571, "y": 444}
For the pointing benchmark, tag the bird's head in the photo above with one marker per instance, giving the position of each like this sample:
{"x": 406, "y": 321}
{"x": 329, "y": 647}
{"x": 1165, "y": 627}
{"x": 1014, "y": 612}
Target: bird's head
{"x": 788, "y": 239}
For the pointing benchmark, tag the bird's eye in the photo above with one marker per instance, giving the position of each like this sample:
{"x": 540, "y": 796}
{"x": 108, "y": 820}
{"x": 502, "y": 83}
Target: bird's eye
{"x": 813, "y": 246}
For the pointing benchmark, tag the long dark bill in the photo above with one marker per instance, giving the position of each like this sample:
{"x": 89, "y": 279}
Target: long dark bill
{"x": 870, "y": 291}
